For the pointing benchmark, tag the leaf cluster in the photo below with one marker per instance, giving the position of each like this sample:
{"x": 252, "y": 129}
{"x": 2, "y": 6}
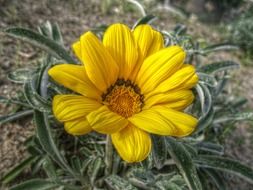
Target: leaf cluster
{"x": 242, "y": 31}
{"x": 61, "y": 161}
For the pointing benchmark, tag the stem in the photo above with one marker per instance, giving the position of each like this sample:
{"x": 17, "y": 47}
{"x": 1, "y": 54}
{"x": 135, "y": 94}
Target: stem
{"x": 108, "y": 155}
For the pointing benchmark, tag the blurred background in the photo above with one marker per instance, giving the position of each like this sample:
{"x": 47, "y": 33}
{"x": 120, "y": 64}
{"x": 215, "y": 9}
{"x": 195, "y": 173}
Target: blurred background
{"x": 208, "y": 21}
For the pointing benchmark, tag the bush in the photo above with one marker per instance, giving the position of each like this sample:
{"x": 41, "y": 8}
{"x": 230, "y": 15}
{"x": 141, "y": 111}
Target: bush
{"x": 242, "y": 32}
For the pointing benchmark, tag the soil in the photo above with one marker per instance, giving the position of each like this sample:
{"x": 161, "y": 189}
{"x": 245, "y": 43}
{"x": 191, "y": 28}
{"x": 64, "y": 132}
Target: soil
{"x": 75, "y": 17}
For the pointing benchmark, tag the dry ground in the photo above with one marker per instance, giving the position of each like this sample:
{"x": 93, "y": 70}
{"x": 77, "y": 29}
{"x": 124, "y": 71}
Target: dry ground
{"x": 74, "y": 17}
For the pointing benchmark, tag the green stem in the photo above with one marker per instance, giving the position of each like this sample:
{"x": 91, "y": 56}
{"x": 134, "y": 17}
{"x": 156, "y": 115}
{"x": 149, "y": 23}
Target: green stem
{"x": 108, "y": 155}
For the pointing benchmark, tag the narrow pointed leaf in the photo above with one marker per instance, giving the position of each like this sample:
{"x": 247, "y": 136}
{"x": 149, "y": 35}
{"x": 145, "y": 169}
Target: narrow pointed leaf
{"x": 115, "y": 182}
{"x": 141, "y": 177}
{"x": 205, "y": 122}
{"x": 216, "y": 178}
{"x": 49, "y": 168}
{"x": 207, "y": 79}
{"x": 47, "y": 141}
{"x": 222, "y": 84}
{"x": 210, "y": 147}
{"x": 12, "y": 174}
{"x": 226, "y": 165}
{"x": 40, "y": 41}
{"x": 218, "y": 66}
{"x": 6, "y": 100}
{"x": 220, "y": 47}
{"x": 235, "y": 117}
{"x": 184, "y": 163}
{"x": 56, "y": 32}
{"x": 180, "y": 29}
{"x": 33, "y": 98}
{"x": 15, "y": 116}
{"x": 94, "y": 169}
{"x": 159, "y": 151}
{"x": 35, "y": 184}
{"x": 145, "y": 20}
{"x": 171, "y": 182}
{"x": 205, "y": 99}
{"x": 52, "y": 31}
{"x": 21, "y": 75}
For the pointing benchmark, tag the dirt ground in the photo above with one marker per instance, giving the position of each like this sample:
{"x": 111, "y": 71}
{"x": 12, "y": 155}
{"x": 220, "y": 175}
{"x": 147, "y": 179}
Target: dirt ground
{"x": 75, "y": 17}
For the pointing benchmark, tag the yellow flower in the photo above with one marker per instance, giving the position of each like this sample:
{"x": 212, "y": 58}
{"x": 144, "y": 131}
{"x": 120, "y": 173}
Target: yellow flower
{"x": 129, "y": 85}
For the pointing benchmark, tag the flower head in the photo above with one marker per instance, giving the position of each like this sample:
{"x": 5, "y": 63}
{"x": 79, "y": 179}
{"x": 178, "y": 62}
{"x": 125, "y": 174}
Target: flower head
{"x": 128, "y": 86}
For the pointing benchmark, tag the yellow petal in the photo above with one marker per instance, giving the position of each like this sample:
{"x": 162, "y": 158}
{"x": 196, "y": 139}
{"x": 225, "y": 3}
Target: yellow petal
{"x": 148, "y": 39}
{"x": 178, "y": 100}
{"x": 101, "y": 68}
{"x": 121, "y": 44}
{"x": 158, "y": 67}
{"x": 105, "y": 121}
{"x": 132, "y": 144}
{"x": 183, "y": 79}
{"x": 74, "y": 77}
{"x": 69, "y": 107}
{"x": 79, "y": 126}
{"x": 77, "y": 49}
{"x": 164, "y": 121}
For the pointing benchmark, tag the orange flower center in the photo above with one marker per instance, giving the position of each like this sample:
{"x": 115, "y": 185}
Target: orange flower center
{"x": 123, "y": 98}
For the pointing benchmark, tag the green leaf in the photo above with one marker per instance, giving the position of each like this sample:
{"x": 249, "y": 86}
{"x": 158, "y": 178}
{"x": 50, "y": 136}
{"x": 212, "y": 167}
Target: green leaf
{"x": 115, "y": 182}
{"x": 219, "y": 47}
{"x": 22, "y": 75}
{"x": 145, "y": 20}
{"x": 210, "y": 147}
{"x": 101, "y": 28}
{"x": 159, "y": 151}
{"x": 13, "y": 101}
{"x": 216, "y": 178}
{"x": 184, "y": 163}
{"x": 180, "y": 29}
{"x": 85, "y": 165}
{"x": 56, "y": 32}
{"x": 52, "y": 31}
{"x": 40, "y": 41}
{"x": 203, "y": 178}
{"x": 218, "y": 66}
{"x": 47, "y": 141}
{"x": 49, "y": 168}
{"x": 171, "y": 182}
{"x": 15, "y": 116}
{"x": 206, "y": 121}
{"x": 94, "y": 168}
{"x": 37, "y": 166}
{"x": 226, "y": 165}
{"x": 205, "y": 99}
{"x": 238, "y": 102}
{"x": 76, "y": 163}
{"x": 33, "y": 98}
{"x": 35, "y": 184}
{"x": 45, "y": 136}
{"x": 12, "y": 174}
{"x": 235, "y": 117}
{"x": 207, "y": 79}
{"x": 141, "y": 177}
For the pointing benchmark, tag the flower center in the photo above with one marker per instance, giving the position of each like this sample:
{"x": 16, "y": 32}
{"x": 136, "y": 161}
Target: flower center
{"x": 123, "y": 98}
